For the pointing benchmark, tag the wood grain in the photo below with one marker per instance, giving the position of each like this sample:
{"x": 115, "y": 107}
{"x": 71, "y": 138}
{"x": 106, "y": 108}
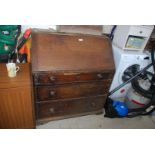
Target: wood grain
{"x": 56, "y": 51}
{"x": 16, "y": 99}
{"x": 72, "y": 90}
{"x": 70, "y": 107}
{"x": 71, "y": 72}
{"x": 23, "y": 76}
{"x": 52, "y": 78}
{"x": 16, "y": 108}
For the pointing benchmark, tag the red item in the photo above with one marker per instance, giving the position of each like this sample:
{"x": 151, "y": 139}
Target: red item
{"x": 122, "y": 90}
{"x": 136, "y": 102}
{"x": 27, "y": 33}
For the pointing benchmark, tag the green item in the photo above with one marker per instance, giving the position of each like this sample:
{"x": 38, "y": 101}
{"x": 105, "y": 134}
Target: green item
{"x": 8, "y": 27}
{"x": 8, "y": 34}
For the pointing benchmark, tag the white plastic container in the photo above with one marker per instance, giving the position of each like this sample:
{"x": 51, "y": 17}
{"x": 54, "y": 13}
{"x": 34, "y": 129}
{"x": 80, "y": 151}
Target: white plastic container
{"x": 136, "y": 100}
{"x": 133, "y": 37}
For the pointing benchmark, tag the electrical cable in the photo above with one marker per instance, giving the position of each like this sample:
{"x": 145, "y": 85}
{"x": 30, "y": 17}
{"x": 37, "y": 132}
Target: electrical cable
{"x": 152, "y": 57}
{"x": 146, "y": 109}
{"x": 149, "y": 94}
{"x": 112, "y": 32}
{"x": 140, "y": 90}
{"x": 142, "y": 111}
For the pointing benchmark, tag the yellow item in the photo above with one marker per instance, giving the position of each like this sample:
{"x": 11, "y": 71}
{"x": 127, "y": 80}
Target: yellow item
{"x": 26, "y": 49}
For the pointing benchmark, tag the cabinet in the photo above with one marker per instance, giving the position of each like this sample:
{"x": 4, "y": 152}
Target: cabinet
{"x": 16, "y": 99}
{"x": 132, "y": 37}
{"x": 72, "y": 74}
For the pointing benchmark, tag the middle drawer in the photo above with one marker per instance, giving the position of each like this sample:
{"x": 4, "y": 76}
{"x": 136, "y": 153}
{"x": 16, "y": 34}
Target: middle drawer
{"x": 66, "y": 91}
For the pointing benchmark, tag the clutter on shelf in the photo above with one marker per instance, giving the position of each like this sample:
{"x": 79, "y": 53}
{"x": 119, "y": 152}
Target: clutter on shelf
{"x": 14, "y": 46}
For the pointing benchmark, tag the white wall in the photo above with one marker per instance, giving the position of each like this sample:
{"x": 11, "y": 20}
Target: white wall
{"x": 106, "y": 28}
{"x": 24, "y": 27}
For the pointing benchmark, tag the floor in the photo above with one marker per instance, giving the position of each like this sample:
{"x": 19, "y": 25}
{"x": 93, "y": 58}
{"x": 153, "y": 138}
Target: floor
{"x": 100, "y": 122}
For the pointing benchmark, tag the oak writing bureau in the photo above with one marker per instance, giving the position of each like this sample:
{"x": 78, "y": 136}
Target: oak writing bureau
{"x": 71, "y": 72}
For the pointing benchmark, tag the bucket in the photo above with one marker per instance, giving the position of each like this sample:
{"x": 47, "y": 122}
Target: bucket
{"x": 136, "y": 99}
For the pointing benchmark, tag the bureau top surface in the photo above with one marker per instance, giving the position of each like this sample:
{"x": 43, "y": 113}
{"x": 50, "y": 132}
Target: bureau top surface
{"x": 22, "y": 78}
{"x": 58, "y": 51}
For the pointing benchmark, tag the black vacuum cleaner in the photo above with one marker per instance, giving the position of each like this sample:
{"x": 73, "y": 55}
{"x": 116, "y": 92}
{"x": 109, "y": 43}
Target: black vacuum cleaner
{"x": 115, "y": 109}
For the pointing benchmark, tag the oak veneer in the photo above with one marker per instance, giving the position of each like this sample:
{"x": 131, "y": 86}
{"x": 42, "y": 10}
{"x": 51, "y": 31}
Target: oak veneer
{"x": 16, "y": 99}
{"x": 72, "y": 74}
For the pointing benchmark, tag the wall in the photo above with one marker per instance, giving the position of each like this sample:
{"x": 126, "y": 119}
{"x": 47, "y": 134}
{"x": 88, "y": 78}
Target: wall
{"x": 106, "y": 28}
{"x": 24, "y": 27}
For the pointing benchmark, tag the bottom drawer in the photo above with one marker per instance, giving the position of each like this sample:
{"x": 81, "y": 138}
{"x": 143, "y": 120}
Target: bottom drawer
{"x": 69, "y": 107}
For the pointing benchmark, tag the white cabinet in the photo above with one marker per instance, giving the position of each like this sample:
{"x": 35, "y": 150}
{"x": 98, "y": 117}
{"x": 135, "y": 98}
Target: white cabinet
{"x": 133, "y": 37}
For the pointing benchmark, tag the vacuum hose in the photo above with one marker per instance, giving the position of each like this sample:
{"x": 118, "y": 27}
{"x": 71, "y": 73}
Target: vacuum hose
{"x": 149, "y": 93}
{"x": 152, "y": 57}
{"x": 147, "y": 109}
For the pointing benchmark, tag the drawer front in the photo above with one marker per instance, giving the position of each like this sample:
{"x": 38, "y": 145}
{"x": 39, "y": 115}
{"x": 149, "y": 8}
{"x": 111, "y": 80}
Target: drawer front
{"x": 140, "y": 31}
{"x": 69, "y": 77}
{"x": 69, "y": 107}
{"x": 44, "y": 93}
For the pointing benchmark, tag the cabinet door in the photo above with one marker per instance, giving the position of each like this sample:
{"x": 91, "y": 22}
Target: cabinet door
{"x": 16, "y": 108}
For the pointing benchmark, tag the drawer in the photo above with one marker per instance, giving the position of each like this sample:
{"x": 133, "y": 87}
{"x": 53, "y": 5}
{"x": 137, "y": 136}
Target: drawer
{"x": 140, "y": 31}
{"x": 69, "y": 107}
{"x": 67, "y": 91}
{"x": 69, "y": 77}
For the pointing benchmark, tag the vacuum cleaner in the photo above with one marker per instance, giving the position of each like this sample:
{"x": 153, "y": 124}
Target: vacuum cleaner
{"x": 141, "y": 97}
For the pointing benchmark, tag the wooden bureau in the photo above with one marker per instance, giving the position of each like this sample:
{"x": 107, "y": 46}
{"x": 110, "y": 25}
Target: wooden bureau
{"x": 16, "y": 99}
{"x": 72, "y": 74}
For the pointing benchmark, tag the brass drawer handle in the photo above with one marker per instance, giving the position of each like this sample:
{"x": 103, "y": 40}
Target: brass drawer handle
{"x": 52, "y": 78}
{"x": 52, "y": 110}
{"x": 100, "y": 76}
{"x": 93, "y": 104}
{"x": 71, "y": 73}
{"x": 52, "y": 93}
{"x": 78, "y": 77}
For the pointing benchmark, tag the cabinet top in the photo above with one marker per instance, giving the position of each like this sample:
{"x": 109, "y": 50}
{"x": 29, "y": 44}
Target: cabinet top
{"x": 59, "y": 51}
{"x": 22, "y": 78}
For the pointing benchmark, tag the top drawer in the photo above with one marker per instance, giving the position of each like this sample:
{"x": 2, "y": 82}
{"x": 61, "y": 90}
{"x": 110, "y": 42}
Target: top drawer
{"x": 140, "y": 31}
{"x": 69, "y": 77}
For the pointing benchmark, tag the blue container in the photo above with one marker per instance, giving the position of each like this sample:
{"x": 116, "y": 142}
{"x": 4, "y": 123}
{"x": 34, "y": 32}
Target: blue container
{"x": 121, "y": 108}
